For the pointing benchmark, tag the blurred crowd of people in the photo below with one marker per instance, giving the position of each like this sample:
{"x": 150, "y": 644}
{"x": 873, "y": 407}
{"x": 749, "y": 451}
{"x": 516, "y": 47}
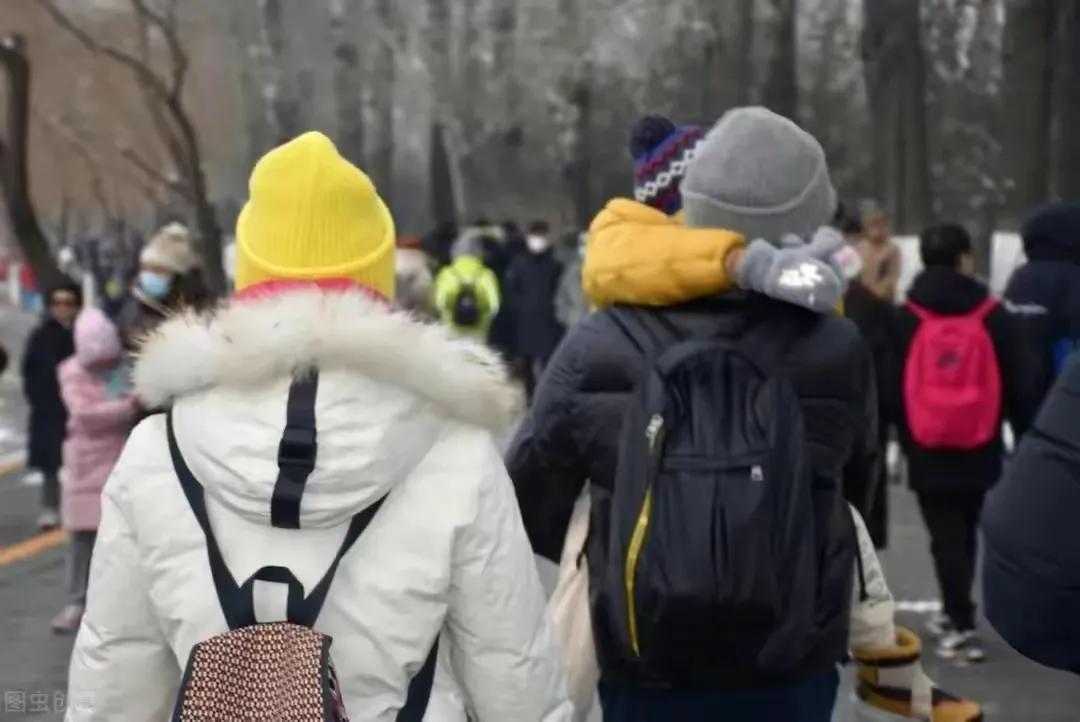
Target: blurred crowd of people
{"x": 715, "y": 370}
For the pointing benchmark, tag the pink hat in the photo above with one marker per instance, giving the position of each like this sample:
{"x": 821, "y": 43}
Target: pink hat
{"x": 96, "y": 339}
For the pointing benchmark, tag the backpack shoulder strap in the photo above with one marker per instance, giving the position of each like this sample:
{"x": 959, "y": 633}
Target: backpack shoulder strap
{"x": 918, "y": 311}
{"x": 296, "y": 452}
{"x": 236, "y": 600}
{"x": 649, "y": 330}
{"x": 985, "y": 308}
{"x": 237, "y": 604}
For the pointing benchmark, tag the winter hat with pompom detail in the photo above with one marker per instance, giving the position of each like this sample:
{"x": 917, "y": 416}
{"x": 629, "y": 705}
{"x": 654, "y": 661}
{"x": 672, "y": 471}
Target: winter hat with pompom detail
{"x": 761, "y": 175}
{"x": 313, "y": 216}
{"x": 661, "y": 152}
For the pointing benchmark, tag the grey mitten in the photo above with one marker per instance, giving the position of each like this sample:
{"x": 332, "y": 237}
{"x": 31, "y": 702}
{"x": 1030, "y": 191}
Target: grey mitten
{"x": 790, "y": 274}
{"x": 828, "y": 244}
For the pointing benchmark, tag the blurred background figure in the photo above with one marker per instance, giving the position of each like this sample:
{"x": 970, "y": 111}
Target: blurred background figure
{"x": 49, "y": 345}
{"x": 873, "y": 314}
{"x": 531, "y": 285}
{"x": 880, "y": 256}
{"x": 467, "y": 296}
{"x": 94, "y": 387}
{"x": 1045, "y": 293}
{"x": 413, "y": 278}
{"x": 166, "y": 282}
{"x": 570, "y": 303}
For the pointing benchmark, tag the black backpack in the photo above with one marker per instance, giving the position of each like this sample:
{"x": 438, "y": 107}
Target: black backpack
{"x": 466, "y": 312}
{"x": 712, "y": 575}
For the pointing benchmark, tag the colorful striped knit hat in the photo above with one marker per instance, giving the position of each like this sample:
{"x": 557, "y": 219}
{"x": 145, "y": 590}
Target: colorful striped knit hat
{"x": 661, "y": 152}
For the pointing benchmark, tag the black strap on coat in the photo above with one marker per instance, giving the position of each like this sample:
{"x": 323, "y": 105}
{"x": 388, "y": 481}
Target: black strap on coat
{"x": 296, "y": 452}
{"x": 237, "y": 601}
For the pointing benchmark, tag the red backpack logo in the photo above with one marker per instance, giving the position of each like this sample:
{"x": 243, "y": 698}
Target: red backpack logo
{"x": 952, "y": 381}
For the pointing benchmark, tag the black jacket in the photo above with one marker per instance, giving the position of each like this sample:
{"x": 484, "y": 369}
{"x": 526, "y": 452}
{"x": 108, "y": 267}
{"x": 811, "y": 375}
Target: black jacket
{"x": 949, "y": 292}
{"x": 572, "y": 432}
{"x": 48, "y": 346}
{"x": 1031, "y": 567}
{"x": 1044, "y": 295}
{"x": 532, "y": 281}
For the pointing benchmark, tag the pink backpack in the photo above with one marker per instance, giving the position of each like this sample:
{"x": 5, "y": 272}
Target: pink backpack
{"x": 952, "y": 381}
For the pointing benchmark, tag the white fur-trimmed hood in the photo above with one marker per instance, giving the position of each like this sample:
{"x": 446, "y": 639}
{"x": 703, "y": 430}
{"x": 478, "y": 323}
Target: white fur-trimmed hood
{"x": 255, "y": 341}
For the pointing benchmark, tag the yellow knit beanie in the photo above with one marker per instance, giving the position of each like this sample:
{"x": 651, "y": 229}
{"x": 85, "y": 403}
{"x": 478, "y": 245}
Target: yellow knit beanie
{"x": 313, "y": 215}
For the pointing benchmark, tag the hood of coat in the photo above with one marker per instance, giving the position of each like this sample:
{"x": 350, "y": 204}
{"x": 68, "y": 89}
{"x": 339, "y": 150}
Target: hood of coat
{"x": 388, "y": 386}
{"x": 1053, "y": 234}
{"x": 96, "y": 338}
{"x": 947, "y": 291}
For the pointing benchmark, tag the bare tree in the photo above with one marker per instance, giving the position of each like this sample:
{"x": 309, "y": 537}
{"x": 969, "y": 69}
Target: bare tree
{"x": 1067, "y": 100}
{"x": 383, "y": 63}
{"x": 348, "y": 85}
{"x": 781, "y": 87}
{"x": 14, "y": 168}
{"x": 895, "y": 72}
{"x": 279, "y": 93}
{"x": 1027, "y": 116}
{"x": 163, "y": 93}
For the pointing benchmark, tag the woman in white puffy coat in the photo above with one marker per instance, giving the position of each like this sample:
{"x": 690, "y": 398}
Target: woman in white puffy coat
{"x": 402, "y": 410}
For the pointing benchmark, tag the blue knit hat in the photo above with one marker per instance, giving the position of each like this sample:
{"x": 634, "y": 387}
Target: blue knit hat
{"x": 661, "y": 152}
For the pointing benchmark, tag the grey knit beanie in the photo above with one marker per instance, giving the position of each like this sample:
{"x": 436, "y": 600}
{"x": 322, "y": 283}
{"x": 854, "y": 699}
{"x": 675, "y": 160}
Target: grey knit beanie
{"x": 761, "y": 175}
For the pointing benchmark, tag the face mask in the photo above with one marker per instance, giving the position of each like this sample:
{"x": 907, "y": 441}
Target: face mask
{"x": 155, "y": 285}
{"x": 536, "y": 244}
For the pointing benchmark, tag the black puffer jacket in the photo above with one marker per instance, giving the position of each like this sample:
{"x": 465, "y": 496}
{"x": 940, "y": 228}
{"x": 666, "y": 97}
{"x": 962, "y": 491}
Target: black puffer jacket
{"x": 573, "y": 431}
{"x": 948, "y": 292}
{"x": 1031, "y": 567}
{"x": 48, "y": 346}
{"x": 1045, "y": 293}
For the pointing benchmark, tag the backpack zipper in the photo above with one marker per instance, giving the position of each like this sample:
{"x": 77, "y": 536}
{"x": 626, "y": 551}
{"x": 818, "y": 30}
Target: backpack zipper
{"x": 654, "y": 436}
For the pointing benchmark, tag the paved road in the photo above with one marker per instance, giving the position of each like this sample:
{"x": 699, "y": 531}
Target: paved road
{"x": 32, "y": 661}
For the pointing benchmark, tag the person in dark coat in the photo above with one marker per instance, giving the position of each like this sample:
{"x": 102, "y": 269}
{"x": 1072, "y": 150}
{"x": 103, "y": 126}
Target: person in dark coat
{"x": 49, "y": 344}
{"x": 1031, "y": 561}
{"x": 865, "y": 477}
{"x": 573, "y": 430}
{"x": 951, "y": 484}
{"x": 531, "y": 285}
{"x": 168, "y": 280}
{"x": 503, "y": 333}
{"x": 1045, "y": 293}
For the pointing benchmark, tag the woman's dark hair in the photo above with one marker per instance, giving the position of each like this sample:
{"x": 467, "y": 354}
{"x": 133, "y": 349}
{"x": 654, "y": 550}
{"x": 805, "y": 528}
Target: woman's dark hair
{"x": 944, "y": 245}
{"x": 539, "y": 227}
{"x": 64, "y": 285}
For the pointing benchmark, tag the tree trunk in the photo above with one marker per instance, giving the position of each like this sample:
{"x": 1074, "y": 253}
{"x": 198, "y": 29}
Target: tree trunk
{"x": 348, "y": 84}
{"x": 444, "y": 205}
{"x": 279, "y": 93}
{"x": 1026, "y": 110}
{"x": 781, "y": 88}
{"x": 894, "y": 67}
{"x": 384, "y": 76}
{"x": 14, "y": 166}
{"x": 504, "y": 52}
{"x": 744, "y": 74}
{"x": 1067, "y": 110}
{"x": 191, "y": 168}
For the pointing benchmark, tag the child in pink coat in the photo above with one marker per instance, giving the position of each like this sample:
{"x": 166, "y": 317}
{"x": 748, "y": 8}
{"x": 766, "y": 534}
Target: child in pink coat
{"x": 100, "y": 412}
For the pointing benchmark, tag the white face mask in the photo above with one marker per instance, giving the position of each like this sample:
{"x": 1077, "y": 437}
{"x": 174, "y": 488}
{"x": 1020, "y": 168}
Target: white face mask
{"x": 537, "y": 244}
